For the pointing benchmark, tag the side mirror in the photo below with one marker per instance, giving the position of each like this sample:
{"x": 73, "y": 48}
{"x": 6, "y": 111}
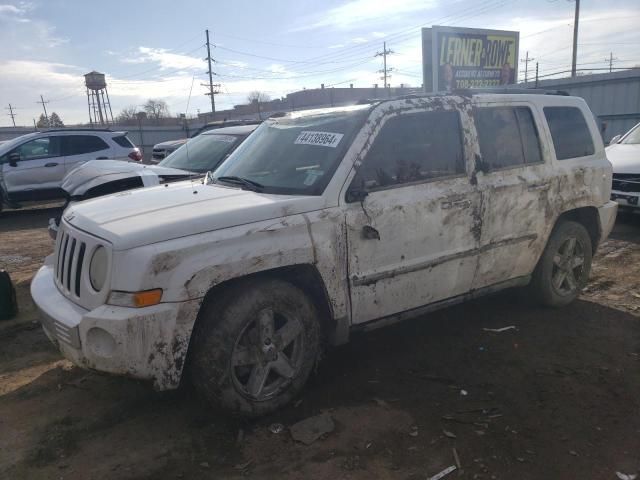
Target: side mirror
{"x": 356, "y": 195}
{"x": 615, "y": 139}
{"x": 14, "y": 158}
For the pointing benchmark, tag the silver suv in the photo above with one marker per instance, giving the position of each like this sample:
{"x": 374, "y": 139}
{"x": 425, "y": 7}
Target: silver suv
{"x": 32, "y": 166}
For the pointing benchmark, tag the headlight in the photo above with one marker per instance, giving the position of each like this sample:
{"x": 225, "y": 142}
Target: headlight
{"x": 98, "y": 268}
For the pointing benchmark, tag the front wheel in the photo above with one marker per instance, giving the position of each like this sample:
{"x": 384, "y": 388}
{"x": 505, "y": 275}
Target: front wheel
{"x": 254, "y": 349}
{"x": 563, "y": 269}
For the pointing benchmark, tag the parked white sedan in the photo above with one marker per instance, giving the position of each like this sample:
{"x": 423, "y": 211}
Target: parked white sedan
{"x": 624, "y": 155}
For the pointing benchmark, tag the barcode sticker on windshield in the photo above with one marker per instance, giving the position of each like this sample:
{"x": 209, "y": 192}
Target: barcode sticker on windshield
{"x": 323, "y": 139}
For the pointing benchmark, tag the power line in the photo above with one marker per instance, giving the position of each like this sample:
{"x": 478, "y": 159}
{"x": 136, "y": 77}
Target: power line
{"x": 526, "y": 61}
{"x": 575, "y": 39}
{"x": 42, "y": 101}
{"x": 610, "y": 60}
{"x": 209, "y": 60}
{"x": 11, "y": 114}
{"x": 350, "y": 51}
{"x": 385, "y": 71}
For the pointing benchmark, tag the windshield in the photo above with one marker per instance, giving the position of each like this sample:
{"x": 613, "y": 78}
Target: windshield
{"x": 202, "y": 153}
{"x": 633, "y": 137}
{"x": 295, "y": 155}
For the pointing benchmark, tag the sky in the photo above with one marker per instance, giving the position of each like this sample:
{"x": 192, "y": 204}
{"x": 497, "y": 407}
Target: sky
{"x": 156, "y": 48}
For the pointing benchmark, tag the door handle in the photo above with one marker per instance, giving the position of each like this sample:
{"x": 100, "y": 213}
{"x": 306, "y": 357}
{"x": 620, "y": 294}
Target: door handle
{"x": 102, "y": 158}
{"x": 538, "y": 186}
{"x": 456, "y": 204}
{"x": 52, "y": 164}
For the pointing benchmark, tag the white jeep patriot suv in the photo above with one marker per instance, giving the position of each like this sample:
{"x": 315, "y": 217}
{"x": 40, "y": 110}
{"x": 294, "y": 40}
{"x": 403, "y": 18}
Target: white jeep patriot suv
{"x": 323, "y": 222}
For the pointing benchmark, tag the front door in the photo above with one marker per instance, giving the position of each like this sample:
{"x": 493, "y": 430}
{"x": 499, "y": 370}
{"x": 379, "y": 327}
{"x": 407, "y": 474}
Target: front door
{"x": 411, "y": 241}
{"x": 39, "y": 171}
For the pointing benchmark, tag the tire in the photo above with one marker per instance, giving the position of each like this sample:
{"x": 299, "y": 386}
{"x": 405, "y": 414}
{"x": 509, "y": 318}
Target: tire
{"x": 253, "y": 350}
{"x": 563, "y": 269}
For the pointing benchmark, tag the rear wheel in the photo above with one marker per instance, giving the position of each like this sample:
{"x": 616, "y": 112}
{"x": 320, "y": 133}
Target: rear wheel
{"x": 563, "y": 269}
{"x": 254, "y": 350}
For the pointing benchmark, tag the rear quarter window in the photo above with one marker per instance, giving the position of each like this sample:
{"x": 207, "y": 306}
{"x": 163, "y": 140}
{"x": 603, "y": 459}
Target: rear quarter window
{"x": 124, "y": 141}
{"x": 569, "y": 131}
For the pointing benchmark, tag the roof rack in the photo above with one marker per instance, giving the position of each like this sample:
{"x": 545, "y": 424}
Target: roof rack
{"x": 510, "y": 91}
{"x": 76, "y": 130}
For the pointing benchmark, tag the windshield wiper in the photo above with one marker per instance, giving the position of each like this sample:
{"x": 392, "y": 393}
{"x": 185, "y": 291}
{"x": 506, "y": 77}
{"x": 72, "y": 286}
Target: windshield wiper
{"x": 245, "y": 182}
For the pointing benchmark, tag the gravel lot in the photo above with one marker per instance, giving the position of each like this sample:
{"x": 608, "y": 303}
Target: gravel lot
{"x": 558, "y": 397}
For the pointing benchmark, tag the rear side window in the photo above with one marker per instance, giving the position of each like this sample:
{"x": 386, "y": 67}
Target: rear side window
{"x": 508, "y": 137}
{"x": 81, "y": 144}
{"x": 414, "y": 147}
{"x": 569, "y": 131}
{"x": 124, "y": 141}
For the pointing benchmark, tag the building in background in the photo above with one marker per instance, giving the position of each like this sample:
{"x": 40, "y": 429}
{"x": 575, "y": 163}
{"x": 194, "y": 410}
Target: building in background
{"x": 614, "y": 98}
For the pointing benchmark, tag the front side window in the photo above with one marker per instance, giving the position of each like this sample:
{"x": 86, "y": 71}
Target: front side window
{"x": 413, "y": 147}
{"x": 82, "y": 144}
{"x": 569, "y": 131}
{"x": 294, "y": 155}
{"x": 44, "y": 147}
{"x": 201, "y": 154}
{"x": 508, "y": 137}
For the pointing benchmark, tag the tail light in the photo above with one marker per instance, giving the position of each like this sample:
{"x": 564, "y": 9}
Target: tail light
{"x": 135, "y": 155}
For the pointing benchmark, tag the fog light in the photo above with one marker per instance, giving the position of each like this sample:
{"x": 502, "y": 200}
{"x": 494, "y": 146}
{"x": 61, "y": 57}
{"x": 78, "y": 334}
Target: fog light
{"x": 100, "y": 342}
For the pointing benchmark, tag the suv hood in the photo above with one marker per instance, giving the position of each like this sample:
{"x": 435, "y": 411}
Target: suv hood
{"x": 140, "y": 217}
{"x": 625, "y": 158}
{"x": 170, "y": 144}
{"x": 99, "y": 172}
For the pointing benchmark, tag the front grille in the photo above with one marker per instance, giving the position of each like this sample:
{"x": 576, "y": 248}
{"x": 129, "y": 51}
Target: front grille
{"x": 70, "y": 263}
{"x": 73, "y": 251}
{"x": 626, "y": 182}
{"x": 158, "y": 154}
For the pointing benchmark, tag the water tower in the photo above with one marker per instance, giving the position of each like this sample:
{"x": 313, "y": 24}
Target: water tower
{"x": 98, "y": 99}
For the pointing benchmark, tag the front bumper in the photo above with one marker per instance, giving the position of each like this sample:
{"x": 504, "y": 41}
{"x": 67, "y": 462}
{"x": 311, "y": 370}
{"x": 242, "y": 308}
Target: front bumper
{"x": 146, "y": 343}
{"x": 627, "y": 200}
{"x": 607, "y": 214}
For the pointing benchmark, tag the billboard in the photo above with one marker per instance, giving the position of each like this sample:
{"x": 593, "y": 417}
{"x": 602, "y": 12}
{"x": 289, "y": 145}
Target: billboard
{"x": 458, "y": 58}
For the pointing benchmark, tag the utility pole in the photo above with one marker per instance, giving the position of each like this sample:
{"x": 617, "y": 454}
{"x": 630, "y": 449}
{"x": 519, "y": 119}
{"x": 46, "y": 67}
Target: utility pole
{"x": 45, "y": 108}
{"x": 385, "y": 71}
{"x": 11, "y": 114}
{"x": 610, "y": 60}
{"x": 575, "y": 39}
{"x": 526, "y": 61}
{"x": 210, "y": 72}
{"x": 536, "y": 74}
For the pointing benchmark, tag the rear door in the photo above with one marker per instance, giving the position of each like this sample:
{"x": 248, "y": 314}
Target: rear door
{"x": 516, "y": 179}
{"x": 82, "y": 148}
{"x": 39, "y": 171}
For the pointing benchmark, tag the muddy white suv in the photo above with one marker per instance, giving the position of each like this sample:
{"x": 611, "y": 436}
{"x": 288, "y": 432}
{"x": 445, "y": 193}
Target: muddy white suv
{"x": 321, "y": 223}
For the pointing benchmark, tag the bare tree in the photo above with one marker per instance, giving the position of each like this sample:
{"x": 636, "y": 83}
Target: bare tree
{"x": 127, "y": 115}
{"x": 156, "y": 109}
{"x": 257, "y": 98}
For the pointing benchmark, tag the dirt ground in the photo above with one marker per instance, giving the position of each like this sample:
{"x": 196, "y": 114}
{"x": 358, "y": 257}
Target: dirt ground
{"x": 556, "y": 398}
